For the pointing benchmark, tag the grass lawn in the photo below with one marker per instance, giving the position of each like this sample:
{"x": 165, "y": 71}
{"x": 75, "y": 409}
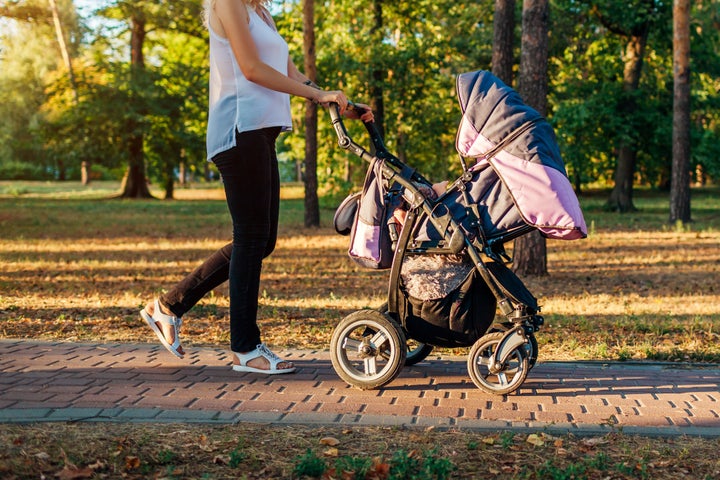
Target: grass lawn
{"x": 79, "y": 269}
{"x": 76, "y": 266}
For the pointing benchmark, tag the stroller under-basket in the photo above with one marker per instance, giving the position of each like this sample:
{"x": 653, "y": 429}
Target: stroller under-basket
{"x": 445, "y": 251}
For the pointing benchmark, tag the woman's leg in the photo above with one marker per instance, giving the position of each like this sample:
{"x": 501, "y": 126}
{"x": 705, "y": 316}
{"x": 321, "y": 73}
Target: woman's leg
{"x": 210, "y": 274}
{"x": 249, "y": 173}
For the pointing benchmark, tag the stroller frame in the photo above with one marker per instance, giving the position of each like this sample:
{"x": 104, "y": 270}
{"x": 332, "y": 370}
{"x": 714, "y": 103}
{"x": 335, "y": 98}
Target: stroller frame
{"x": 370, "y": 347}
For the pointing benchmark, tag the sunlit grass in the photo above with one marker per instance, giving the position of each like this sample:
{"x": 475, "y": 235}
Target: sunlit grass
{"x": 77, "y": 269}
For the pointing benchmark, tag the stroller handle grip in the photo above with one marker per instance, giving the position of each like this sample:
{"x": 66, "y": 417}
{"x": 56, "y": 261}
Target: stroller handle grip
{"x": 344, "y": 139}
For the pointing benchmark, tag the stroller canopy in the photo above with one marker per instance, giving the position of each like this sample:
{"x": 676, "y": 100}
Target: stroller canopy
{"x": 520, "y": 145}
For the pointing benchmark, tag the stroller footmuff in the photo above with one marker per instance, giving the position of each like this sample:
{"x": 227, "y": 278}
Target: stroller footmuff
{"x": 444, "y": 301}
{"x": 448, "y": 278}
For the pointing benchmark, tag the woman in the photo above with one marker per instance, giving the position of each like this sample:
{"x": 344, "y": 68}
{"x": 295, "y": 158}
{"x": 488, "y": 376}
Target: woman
{"x": 251, "y": 80}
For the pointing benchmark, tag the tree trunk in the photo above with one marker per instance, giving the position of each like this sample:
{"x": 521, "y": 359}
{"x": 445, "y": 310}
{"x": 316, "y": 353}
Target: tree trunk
{"x": 135, "y": 182}
{"x": 64, "y": 51}
{"x": 503, "y": 40}
{"x": 85, "y": 172}
{"x": 182, "y": 173}
{"x": 312, "y": 207}
{"x": 378, "y": 74}
{"x": 169, "y": 181}
{"x": 621, "y": 197}
{"x": 530, "y": 251}
{"x": 680, "y": 182}
{"x": 533, "y": 82}
{"x": 61, "y": 170}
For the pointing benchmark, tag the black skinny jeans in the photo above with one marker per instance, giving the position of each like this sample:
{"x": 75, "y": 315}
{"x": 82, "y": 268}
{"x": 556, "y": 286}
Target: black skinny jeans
{"x": 252, "y": 188}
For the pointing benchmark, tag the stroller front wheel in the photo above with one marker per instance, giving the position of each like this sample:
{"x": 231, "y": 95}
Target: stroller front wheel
{"x": 367, "y": 349}
{"x": 492, "y": 377}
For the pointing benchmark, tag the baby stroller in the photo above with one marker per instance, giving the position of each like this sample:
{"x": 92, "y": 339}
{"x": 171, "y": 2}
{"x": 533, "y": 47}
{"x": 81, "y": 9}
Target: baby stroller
{"x": 445, "y": 250}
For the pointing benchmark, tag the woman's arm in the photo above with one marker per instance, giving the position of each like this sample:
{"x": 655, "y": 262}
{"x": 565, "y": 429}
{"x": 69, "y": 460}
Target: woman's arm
{"x": 233, "y": 16}
{"x": 296, "y": 74}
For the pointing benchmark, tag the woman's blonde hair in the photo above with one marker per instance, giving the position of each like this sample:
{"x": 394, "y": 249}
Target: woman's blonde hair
{"x": 210, "y": 4}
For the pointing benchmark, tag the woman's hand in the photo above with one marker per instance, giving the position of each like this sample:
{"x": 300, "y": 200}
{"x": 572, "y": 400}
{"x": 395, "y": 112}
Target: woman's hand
{"x": 347, "y": 108}
{"x": 361, "y": 111}
{"x": 325, "y": 97}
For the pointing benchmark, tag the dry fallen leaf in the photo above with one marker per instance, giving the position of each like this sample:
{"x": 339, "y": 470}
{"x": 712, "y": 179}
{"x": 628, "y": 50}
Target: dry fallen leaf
{"x": 131, "y": 463}
{"x": 221, "y": 459}
{"x": 535, "y": 439}
{"x": 330, "y": 441}
{"x": 73, "y": 473}
{"x": 98, "y": 465}
{"x": 594, "y": 441}
{"x": 380, "y": 469}
{"x": 42, "y": 456}
{"x": 331, "y": 452}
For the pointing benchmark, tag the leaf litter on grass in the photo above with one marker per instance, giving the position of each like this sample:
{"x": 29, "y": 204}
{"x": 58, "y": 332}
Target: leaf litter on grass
{"x": 134, "y": 451}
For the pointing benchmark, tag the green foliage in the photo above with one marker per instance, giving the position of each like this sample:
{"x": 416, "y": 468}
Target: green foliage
{"x": 410, "y": 56}
{"x": 405, "y": 466}
{"x": 309, "y": 465}
{"x": 357, "y": 466}
{"x": 402, "y": 466}
{"x": 412, "y": 59}
{"x": 166, "y": 457}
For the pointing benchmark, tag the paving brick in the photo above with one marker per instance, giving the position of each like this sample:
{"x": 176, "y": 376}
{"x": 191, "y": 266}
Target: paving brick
{"x": 223, "y": 404}
{"x": 141, "y": 382}
{"x": 403, "y": 410}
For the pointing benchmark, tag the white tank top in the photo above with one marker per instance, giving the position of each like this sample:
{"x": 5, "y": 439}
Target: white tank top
{"x": 237, "y": 103}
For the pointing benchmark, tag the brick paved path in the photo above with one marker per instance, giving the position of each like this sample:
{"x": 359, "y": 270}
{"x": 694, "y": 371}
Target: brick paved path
{"x": 141, "y": 382}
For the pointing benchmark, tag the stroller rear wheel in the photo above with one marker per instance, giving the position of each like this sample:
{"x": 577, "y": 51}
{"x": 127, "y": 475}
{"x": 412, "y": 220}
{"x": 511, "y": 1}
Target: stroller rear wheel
{"x": 492, "y": 377}
{"x": 417, "y": 352}
{"x": 368, "y": 349}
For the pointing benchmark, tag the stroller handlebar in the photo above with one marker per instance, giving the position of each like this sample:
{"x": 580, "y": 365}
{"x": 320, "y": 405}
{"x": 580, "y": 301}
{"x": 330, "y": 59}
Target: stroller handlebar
{"x": 344, "y": 139}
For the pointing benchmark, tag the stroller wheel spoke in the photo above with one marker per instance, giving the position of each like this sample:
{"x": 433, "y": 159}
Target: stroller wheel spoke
{"x": 370, "y": 366}
{"x": 351, "y": 344}
{"x": 379, "y": 339}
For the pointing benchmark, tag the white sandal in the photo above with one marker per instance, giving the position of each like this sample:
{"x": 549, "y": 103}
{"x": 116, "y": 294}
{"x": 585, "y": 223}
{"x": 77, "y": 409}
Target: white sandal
{"x": 159, "y": 317}
{"x": 261, "y": 351}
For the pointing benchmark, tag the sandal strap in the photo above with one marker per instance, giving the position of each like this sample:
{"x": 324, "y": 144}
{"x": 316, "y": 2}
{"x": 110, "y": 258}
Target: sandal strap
{"x": 161, "y": 317}
{"x": 261, "y": 350}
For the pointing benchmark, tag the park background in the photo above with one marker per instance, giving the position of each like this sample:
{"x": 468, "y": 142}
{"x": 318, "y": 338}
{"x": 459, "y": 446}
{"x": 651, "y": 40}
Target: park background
{"x": 94, "y": 134}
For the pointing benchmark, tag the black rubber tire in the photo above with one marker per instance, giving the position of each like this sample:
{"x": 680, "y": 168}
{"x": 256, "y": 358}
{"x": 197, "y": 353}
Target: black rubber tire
{"x": 417, "y": 352}
{"x": 368, "y": 349}
{"x": 509, "y": 379}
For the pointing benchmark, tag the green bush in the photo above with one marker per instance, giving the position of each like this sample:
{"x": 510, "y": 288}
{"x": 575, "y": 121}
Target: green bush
{"x": 22, "y": 171}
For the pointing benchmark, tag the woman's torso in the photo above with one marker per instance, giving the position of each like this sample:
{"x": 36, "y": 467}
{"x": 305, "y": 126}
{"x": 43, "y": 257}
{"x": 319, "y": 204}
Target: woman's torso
{"x": 236, "y": 103}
